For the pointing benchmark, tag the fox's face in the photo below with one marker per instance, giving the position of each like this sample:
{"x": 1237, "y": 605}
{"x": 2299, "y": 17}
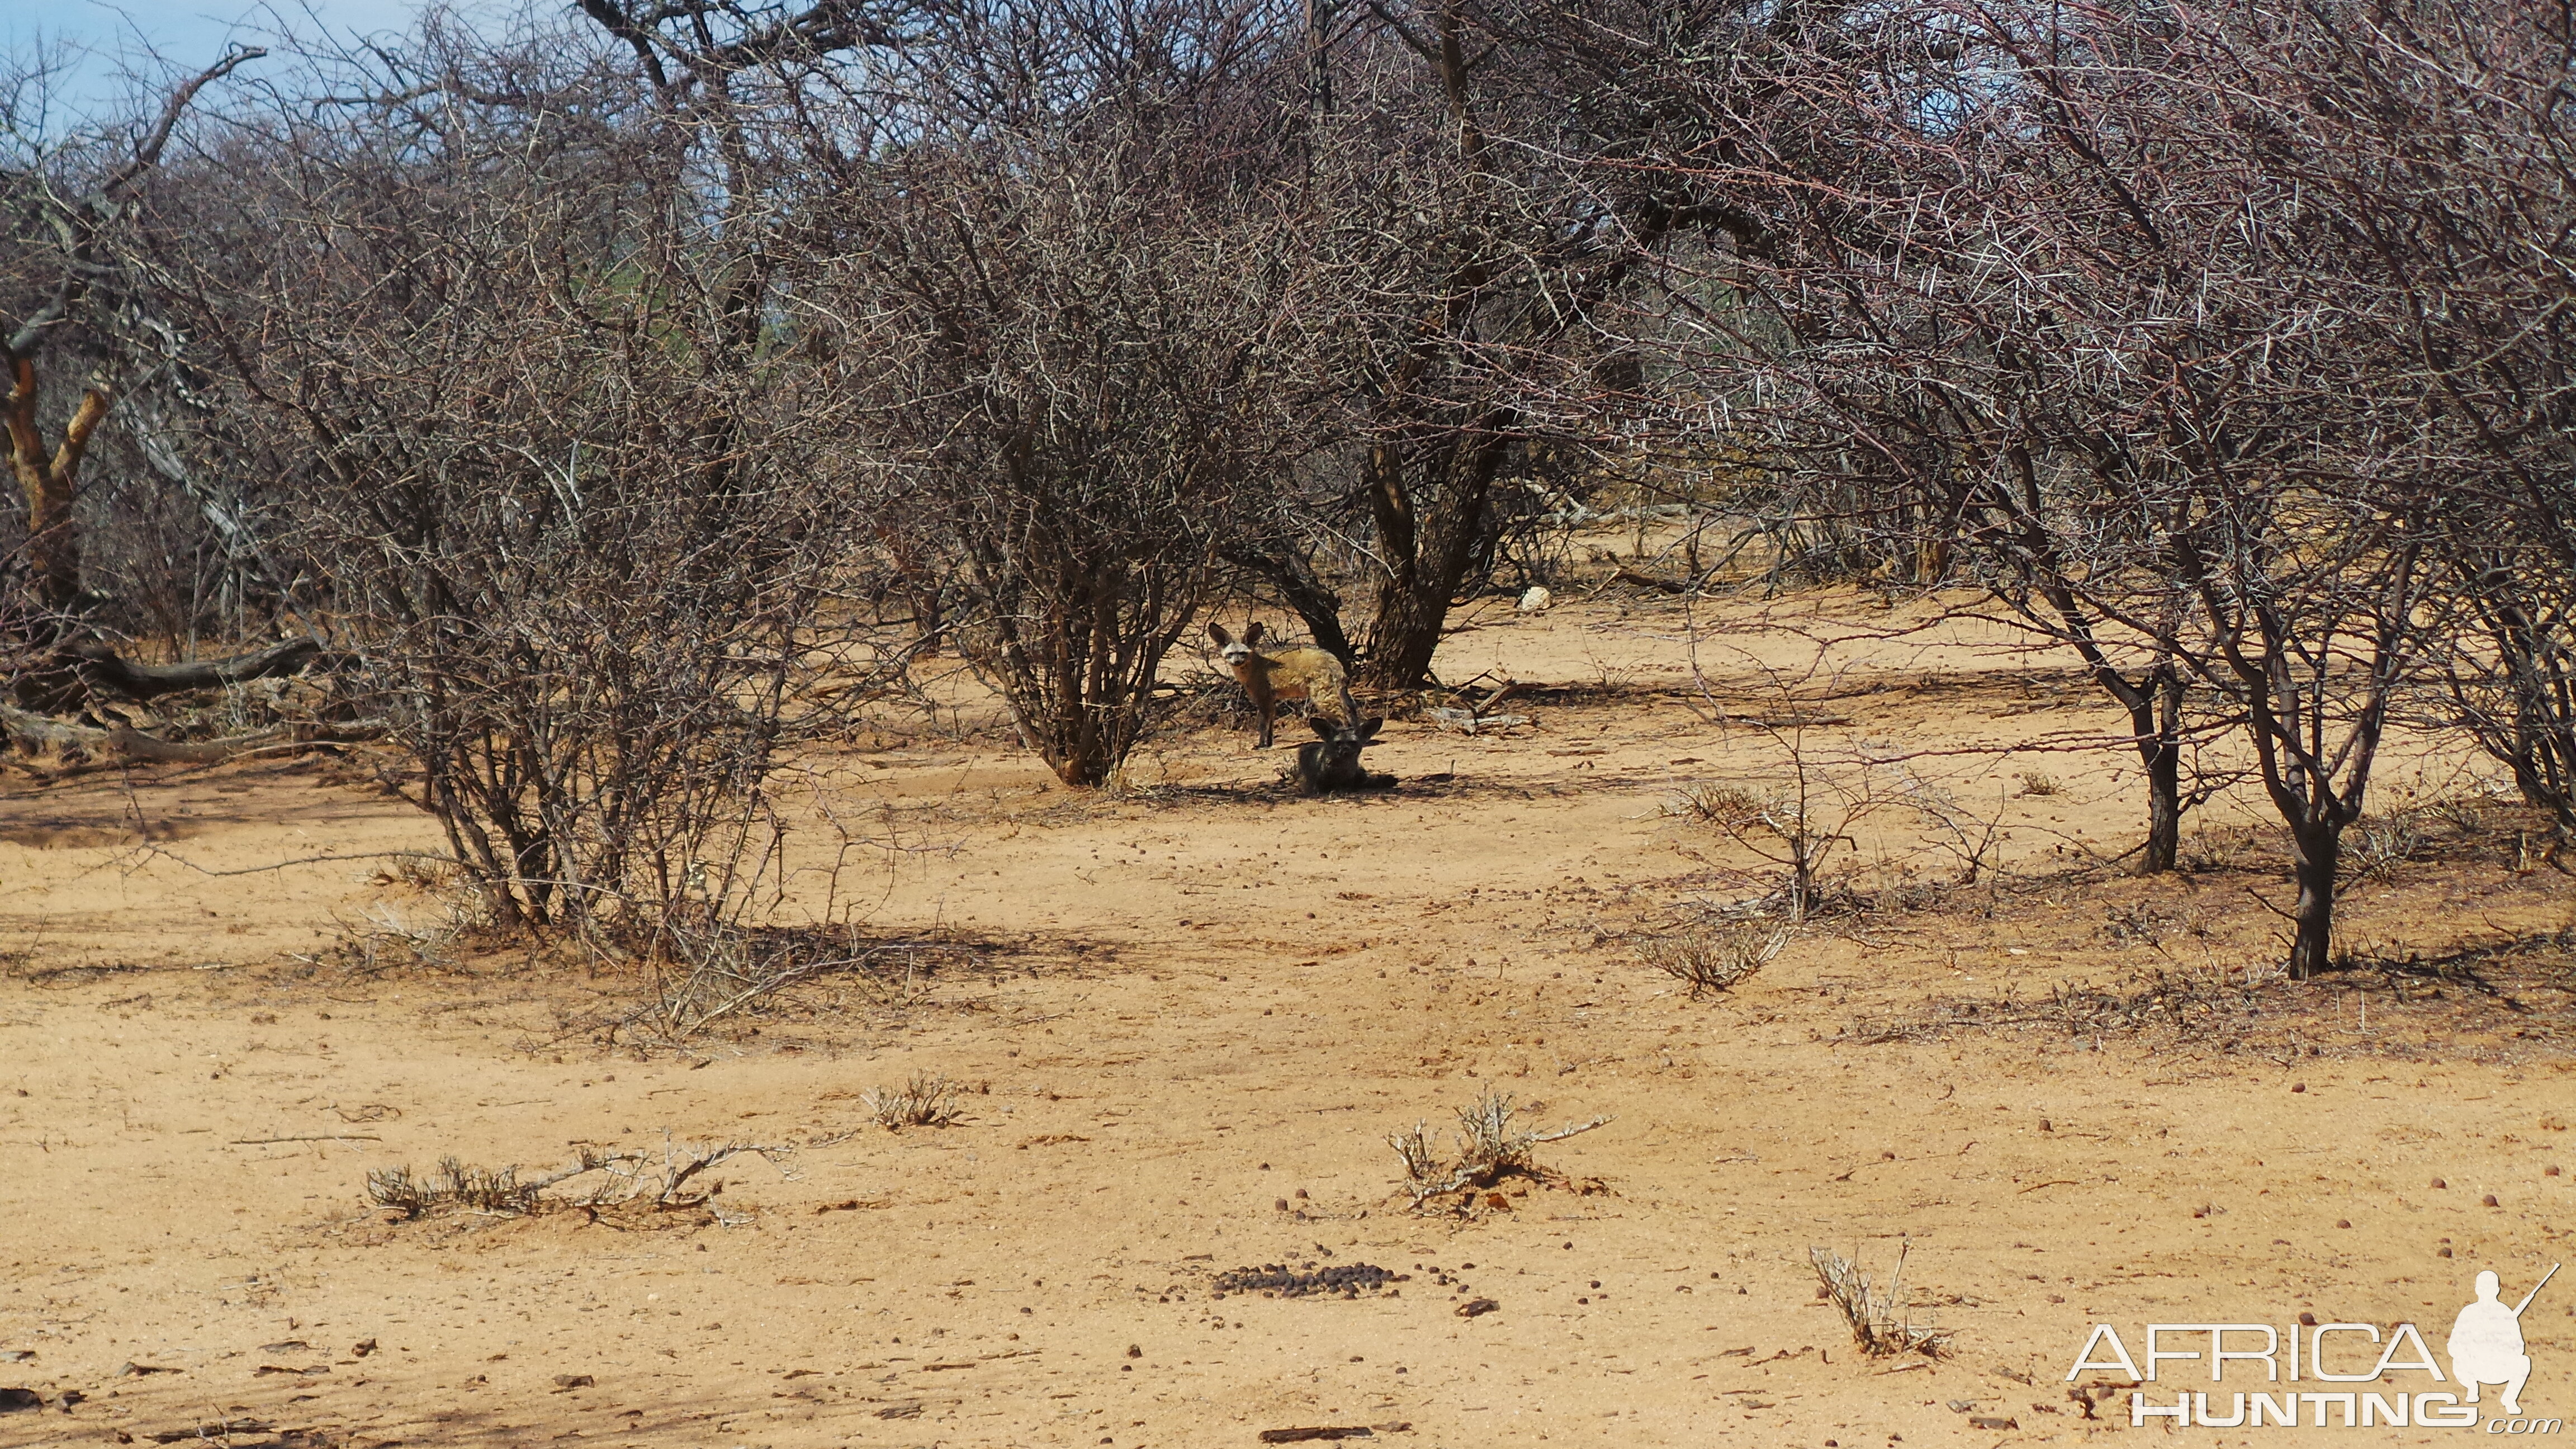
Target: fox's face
{"x": 1232, "y": 650}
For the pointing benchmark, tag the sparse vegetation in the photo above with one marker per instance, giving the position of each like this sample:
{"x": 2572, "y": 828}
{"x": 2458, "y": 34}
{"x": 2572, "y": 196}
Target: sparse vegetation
{"x": 456, "y": 1186}
{"x": 2378, "y": 844}
{"x": 1729, "y": 807}
{"x": 2141, "y": 923}
{"x": 627, "y": 1180}
{"x": 1489, "y": 1147}
{"x": 924, "y": 1101}
{"x": 1877, "y": 1319}
{"x": 1961, "y": 454}
{"x": 1796, "y": 831}
{"x": 1714, "y": 957}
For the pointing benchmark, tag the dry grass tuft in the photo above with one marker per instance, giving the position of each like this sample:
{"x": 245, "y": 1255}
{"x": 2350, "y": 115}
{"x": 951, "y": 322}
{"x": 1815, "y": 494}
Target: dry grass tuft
{"x": 453, "y": 1187}
{"x": 1728, "y": 807}
{"x": 1873, "y": 1316}
{"x": 922, "y": 1102}
{"x": 2377, "y": 844}
{"x": 1714, "y": 958}
{"x": 631, "y": 1180}
{"x": 2209, "y": 1002}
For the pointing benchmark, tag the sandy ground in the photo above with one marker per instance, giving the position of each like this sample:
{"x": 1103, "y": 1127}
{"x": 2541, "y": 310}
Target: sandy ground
{"x": 1189, "y": 1015}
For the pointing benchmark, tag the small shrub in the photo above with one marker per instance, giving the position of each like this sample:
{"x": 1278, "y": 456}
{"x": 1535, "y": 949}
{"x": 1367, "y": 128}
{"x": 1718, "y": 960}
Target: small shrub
{"x": 388, "y": 937}
{"x": 2378, "y": 844}
{"x": 1728, "y": 807}
{"x": 623, "y": 1180}
{"x": 2213, "y": 852}
{"x": 2038, "y": 782}
{"x": 1797, "y": 830}
{"x": 922, "y": 1102}
{"x": 1714, "y": 958}
{"x": 1875, "y": 1325}
{"x": 1490, "y": 1148}
{"x": 2465, "y": 815}
{"x": 453, "y": 1186}
{"x": 2141, "y": 923}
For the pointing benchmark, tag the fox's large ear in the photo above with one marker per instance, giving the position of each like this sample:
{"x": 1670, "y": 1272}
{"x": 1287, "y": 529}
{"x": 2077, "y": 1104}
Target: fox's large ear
{"x": 1217, "y": 632}
{"x": 1252, "y": 635}
{"x": 1369, "y": 728}
{"x": 1322, "y": 725}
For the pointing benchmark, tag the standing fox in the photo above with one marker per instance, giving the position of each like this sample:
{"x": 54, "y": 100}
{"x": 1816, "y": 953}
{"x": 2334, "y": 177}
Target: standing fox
{"x": 1300, "y": 671}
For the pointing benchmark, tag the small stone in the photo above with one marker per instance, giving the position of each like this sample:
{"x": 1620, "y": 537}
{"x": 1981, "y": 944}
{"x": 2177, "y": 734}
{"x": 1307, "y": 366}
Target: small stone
{"x": 1281, "y": 1204}
{"x": 2307, "y": 1320}
{"x": 2301, "y": 1087}
{"x": 2439, "y": 1183}
{"x": 2489, "y": 1201}
{"x": 1135, "y": 1352}
{"x": 574, "y": 1381}
{"x": 2343, "y": 1222}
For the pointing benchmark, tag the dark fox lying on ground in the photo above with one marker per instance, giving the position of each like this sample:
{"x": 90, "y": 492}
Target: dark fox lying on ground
{"x": 1333, "y": 762}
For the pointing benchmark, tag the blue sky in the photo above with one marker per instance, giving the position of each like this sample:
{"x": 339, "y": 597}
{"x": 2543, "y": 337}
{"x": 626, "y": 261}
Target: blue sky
{"x": 188, "y": 29}
{"x": 189, "y": 34}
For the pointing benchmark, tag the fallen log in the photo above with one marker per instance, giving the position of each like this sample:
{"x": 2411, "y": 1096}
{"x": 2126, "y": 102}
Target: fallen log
{"x": 36, "y": 734}
{"x": 102, "y": 670}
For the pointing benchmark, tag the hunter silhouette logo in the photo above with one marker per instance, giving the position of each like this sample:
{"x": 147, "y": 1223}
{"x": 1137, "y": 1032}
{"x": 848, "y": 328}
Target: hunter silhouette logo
{"x": 2360, "y": 1372}
{"x": 2486, "y": 1342}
